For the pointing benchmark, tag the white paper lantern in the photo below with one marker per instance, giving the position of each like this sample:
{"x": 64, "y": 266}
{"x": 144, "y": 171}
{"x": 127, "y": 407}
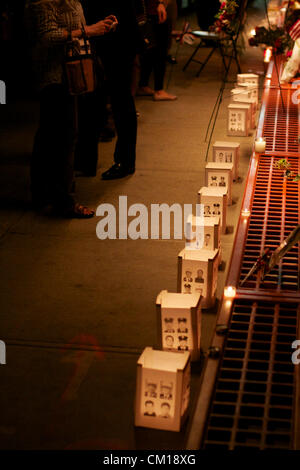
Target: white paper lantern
{"x": 214, "y": 201}
{"x": 179, "y": 322}
{"x": 220, "y": 175}
{"x": 208, "y": 229}
{"x": 252, "y": 90}
{"x": 162, "y": 389}
{"x": 227, "y": 152}
{"x": 251, "y": 79}
{"x": 198, "y": 274}
{"x": 240, "y": 98}
{"x": 238, "y": 123}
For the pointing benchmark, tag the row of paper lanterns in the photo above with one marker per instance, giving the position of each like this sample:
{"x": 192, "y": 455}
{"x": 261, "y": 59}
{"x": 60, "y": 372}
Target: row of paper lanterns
{"x": 163, "y": 376}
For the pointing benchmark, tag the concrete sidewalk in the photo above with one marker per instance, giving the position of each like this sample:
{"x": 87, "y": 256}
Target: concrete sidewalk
{"x": 76, "y": 312}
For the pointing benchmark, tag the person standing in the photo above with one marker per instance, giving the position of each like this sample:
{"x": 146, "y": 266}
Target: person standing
{"x": 172, "y": 13}
{"x": 51, "y": 24}
{"x": 155, "y": 59}
{"x": 117, "y": 51}
{"x": 206, "y": 14}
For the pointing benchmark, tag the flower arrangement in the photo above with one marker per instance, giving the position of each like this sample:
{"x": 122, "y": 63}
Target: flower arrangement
{"x": 283, "y": 164}
{"x": 226, "y": 18}
{"x": 274, "y": 37}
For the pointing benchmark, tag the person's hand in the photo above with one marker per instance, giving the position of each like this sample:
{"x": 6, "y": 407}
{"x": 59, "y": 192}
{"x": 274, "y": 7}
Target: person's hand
{"x": 162, "y": 13}
{"x": 114, "y": 22}
{"x": 111, "y": 17}
{"x": 99, "y": 28}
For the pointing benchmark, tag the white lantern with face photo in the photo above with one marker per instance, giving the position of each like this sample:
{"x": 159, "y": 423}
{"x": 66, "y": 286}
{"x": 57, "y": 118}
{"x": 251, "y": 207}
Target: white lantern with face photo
{"x": 220, "y": 175}
{"x": 239, "y": 97}
{"x": 162, "y": 389}
{"x": 209, "y": 230}
{"x": 179, "y": 322}
{"x": 227, "y": 152}
{"x": 214, "y": 200}
{"x": 238, "y": 121}
{"x": 198, "y": 274}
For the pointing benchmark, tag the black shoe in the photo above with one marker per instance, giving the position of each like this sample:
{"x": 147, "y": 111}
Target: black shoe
{"x": 117, "y": 171}
{"x": 171, "y": 59}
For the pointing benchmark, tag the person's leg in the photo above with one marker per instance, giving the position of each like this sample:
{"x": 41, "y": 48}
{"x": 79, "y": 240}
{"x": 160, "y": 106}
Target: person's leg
{"x": 64, "y": 135}
{"x": 206, "y": 16}
{"x": 45, "y": 147}
{"x": 55, "y": 146}
{"x": 172, "y": 18}
{"x": 160, "y": 63}
{"x": 119, "y": 73}
{"x": 146, "y": 67}
{"x": 91, "y": 115}
{"x": 124, "y": 113}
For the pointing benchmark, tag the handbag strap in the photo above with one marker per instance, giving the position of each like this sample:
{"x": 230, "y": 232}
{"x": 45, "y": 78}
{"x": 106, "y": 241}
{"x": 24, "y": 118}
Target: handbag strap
{"x": 85, "y": 39}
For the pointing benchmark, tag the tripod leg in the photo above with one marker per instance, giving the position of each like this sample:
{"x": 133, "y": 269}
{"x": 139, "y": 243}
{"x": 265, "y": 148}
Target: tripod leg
{"x": 192, "y": 57}
{"x": 236, "y": 56}
{"x": 206, "y": 60}
{"x": 223, "y": 57}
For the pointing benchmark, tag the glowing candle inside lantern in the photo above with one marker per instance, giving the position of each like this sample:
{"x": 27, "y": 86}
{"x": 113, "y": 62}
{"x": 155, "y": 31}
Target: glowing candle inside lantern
{"x": 260, "y": 145}
{"x": 245, "y": 212}
{"x": 229, "y": 292}
{"x": 253, "y": 32}
{"x": 268, "y": 55}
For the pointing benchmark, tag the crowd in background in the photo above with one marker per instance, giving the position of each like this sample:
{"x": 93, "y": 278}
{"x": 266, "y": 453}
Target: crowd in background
{"x": 131, "y": 40}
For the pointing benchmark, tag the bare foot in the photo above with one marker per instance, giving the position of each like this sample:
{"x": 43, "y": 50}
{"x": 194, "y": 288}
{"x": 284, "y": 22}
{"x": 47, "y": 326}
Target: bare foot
{"x": 162, "y": 95}
{"x": 145, "y": 91}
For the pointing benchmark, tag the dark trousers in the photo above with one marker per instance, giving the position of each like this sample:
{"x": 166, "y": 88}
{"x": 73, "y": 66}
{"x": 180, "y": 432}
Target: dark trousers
{"x": 206, "y": 14}
{"x": 91, "y": 120}
{"x": 118, "y": 69}
{"x": 155, "y": 59}
{"x": 52, "y": 162}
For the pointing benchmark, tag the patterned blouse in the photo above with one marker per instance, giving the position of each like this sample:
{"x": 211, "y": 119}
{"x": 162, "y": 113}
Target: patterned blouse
{"x": 46, "y": 23}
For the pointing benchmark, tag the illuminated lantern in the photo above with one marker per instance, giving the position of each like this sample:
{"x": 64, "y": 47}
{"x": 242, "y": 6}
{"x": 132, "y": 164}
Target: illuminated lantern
{"x": 251, "y": 90}
{"x": 229, "y": 292}
{"x": 227, "y": 152}
{"x": 162, "y": 389}
{"x": 179, "y": 322}
{"x": 251, "y": 79}
{"x": 214, "y": 200}
{"x": 260, "y": 145}
{"x": 268, "y": 55}
{"x": 198, "y": 274}
{"x": 239, "y": 97}
{"x": 203, "y": 233}
{"x": 246, "y": 212}
{"x": 238, "y": 119}
{"x": 220, "y": 175}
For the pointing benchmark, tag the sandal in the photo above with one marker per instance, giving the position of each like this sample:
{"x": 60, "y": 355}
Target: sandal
{"x": 78, "y": 211}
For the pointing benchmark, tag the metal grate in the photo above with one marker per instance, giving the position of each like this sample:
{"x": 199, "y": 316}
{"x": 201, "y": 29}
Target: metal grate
{"x": 254, "y": 397}
{"x": 253, "y": 386}
{"x": 274, "y": 214}
{"x": 281, "y": 124}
